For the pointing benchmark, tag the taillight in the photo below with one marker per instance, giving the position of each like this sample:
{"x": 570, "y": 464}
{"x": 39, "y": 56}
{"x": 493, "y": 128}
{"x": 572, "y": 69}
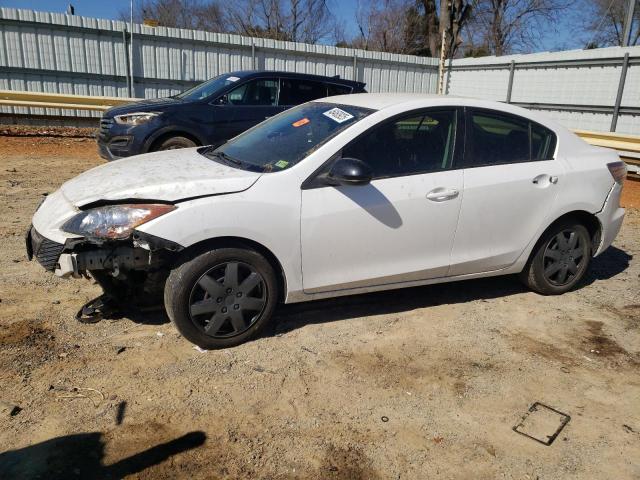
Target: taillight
{"x": 618, "y": 171}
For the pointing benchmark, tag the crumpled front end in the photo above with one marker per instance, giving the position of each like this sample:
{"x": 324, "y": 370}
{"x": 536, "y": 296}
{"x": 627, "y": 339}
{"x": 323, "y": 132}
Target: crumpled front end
{"x": 131, "y": 268}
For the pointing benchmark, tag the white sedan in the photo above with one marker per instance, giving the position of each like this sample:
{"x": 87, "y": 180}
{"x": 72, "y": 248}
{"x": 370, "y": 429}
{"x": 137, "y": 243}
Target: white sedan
{"x": 339, "y": 196}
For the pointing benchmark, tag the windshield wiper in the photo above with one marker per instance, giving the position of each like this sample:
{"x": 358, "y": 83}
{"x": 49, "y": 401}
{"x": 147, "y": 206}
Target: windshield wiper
{"x": 223, "y": 156}
{"x": 227, "y": 158}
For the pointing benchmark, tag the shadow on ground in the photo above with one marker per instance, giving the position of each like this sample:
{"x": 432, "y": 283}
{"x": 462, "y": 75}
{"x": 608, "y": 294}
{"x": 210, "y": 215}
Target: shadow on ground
{"x": 610, "y": 263}
{"x": 290, "y": 317}
{"x": 80, "y": 456}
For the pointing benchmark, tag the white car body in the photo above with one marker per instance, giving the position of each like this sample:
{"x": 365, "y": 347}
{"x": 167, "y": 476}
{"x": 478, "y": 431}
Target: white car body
{"x": 342, "y": 240}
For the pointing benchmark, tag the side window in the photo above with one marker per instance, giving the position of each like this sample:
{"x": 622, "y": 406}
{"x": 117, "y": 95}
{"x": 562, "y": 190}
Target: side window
{"x": 295, "y": 92}
{"x": 333, "y": 89}
{"x": 255, "y": 92}
{"x": 498, "y": 139}
{"x": 417, "y": 143}
{"x": 543, "y": 143}
{"x": 501, "y": 138}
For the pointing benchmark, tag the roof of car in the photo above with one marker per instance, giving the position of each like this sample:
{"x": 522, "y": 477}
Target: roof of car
{"x": 332, "y": 79}
{"x": 410, "y": 101}
{"x": 380, "y": 101}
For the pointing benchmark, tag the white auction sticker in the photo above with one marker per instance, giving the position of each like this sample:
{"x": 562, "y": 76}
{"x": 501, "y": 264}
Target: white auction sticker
{"x": 233, "y": 79}
{"x": 338, "y": 115}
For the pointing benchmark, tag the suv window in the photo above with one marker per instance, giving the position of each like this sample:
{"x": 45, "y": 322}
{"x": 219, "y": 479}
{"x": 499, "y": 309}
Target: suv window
{"x": 416, "y": 143}
{"x": 255, "y": 92}
{"x": 333, "y": 89}
{"x": 295, "y": 92}
{"x": 498, "y": 138}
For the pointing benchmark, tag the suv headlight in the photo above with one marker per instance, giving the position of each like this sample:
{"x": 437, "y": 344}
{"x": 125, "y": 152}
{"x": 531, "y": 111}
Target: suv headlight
{"x": 114, "y": 222}
{"x": 136, "y": 118}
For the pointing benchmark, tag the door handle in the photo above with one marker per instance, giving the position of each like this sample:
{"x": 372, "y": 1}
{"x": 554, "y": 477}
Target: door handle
{"x": 442, "y": 194}
{"x": 540, "y": 179}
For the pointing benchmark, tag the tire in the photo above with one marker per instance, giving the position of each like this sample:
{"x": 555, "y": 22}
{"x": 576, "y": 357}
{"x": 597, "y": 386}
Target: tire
{"x": 556, "y": 266}
{"x": 174, "y": 143}
{"x": 216, "y": 305}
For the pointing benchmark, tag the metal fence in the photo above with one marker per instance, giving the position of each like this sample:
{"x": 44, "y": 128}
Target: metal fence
{"x": 58, "y": 53}
{"x": 582, "y": 89}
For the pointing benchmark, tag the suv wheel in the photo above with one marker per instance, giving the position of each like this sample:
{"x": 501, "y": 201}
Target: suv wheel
{"x": 560, "y": 259}
{"x": 221, "y": 298}
{"x": 174, "y": 143}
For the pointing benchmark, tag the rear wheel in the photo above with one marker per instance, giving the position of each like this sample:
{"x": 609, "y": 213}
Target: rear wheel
{"x": 174, "y": 143}
{"x": 560, "y": 259}
{"x": 222, "y": 298}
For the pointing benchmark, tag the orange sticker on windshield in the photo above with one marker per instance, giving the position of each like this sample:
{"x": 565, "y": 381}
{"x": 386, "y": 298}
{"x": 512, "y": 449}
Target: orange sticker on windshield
{"x": 300, "y": 123}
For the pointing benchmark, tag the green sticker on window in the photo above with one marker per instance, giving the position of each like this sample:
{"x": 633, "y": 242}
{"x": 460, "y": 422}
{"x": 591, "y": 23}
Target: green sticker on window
{"x": 281, "y": 163}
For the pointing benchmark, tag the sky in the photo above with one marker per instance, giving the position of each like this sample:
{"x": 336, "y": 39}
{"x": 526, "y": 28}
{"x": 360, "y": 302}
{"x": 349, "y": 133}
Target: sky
{"x": 345, "y": 10}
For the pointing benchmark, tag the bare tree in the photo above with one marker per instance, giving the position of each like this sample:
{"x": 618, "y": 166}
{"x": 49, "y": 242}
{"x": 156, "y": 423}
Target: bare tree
{"x": 194, "y": 14}
{"x": 382, "y": 26}
{"x": 504, "y": 26}
{"x": 414, "y": 27}
{"x": 295, "y": 20}
{"x": 604, "y": 23}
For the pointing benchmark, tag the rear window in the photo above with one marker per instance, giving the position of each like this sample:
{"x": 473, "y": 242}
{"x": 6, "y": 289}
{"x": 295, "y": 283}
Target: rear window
{"x": 333, "y": 89}
{"x": 543, "y": 142}
{"x": 295, "y": 92}
{"x": 498, "y": 138}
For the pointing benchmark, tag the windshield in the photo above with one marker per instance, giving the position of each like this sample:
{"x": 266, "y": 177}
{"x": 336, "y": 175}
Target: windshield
{"x": 286, "y": 139}
{"x": 208, "y": 88}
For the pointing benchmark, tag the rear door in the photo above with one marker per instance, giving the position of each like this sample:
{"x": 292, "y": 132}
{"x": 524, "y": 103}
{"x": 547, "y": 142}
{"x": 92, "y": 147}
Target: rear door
{"x": 511, "y": 182}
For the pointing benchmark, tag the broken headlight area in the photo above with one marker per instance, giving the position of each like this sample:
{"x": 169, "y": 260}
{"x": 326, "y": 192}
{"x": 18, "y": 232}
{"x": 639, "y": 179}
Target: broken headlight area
{"x": 131, "y": 266}
{"x": 114, "y": 222}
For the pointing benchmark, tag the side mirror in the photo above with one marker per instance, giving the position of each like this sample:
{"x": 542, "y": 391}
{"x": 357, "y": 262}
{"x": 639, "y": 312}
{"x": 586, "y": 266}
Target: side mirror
{"x": 349, "y": 171}
{"x": 223, "y": 100}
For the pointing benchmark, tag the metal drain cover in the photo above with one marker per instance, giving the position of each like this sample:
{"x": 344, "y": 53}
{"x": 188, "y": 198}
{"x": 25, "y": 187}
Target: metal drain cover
{"x": 542, "y": 423}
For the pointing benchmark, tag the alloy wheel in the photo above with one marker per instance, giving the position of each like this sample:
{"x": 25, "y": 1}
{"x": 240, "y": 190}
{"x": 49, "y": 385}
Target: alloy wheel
{"x": 227, "y": 299}
{"x": 564, "y": 257}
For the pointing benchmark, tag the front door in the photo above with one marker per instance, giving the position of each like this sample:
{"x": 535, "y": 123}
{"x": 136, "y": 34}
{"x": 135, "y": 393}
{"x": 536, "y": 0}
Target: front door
{"x": 511, "y": 182}
{"x": 398, "y": 228}
{"x": 247, "y": 105}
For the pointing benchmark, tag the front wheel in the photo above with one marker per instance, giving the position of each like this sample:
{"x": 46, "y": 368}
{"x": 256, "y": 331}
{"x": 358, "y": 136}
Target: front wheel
{"x": 174, "y": 143}
{"x": 221, "y": 298}
{"x": 560, "y": 259}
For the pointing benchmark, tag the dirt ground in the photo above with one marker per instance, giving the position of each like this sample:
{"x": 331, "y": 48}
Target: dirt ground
{"x": 420, "y": 383}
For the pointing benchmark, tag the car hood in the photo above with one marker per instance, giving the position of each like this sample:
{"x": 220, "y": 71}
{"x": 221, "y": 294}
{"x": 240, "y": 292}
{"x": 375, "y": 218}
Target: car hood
{"x": 169, "y": 176}
{"x": 148, "y": 105}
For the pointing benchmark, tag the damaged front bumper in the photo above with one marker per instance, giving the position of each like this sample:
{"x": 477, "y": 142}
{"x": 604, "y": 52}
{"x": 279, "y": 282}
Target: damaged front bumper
{"x": 75, "y": 264}
{"x": 46, "y": 251}
{"x": 77, "y": 256}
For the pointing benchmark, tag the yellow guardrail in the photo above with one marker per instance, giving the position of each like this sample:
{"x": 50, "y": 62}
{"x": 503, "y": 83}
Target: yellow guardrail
{"x": 618, "y": 141}
{"x": 627, "y": 146}
{"x": 59, "y": 100}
